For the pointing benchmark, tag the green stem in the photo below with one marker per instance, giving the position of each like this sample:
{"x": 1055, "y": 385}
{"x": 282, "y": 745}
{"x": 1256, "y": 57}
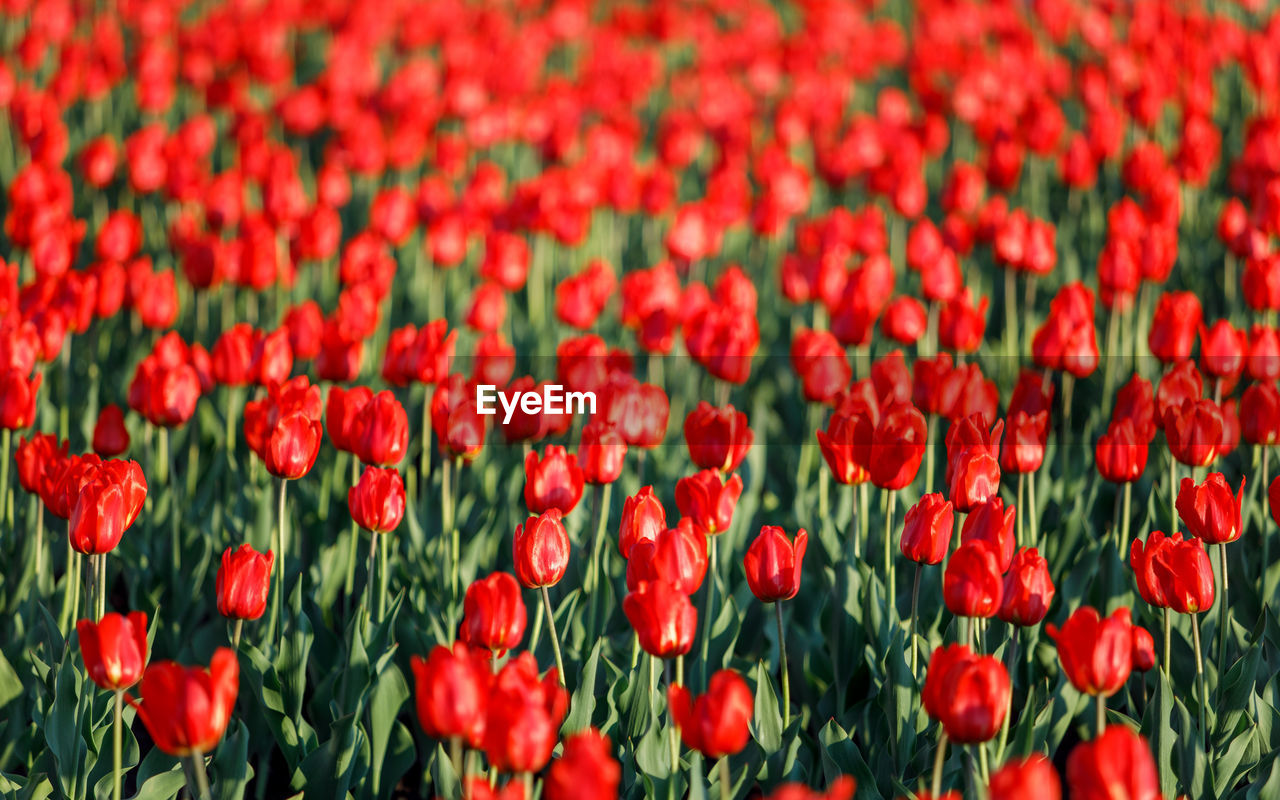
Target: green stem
{"x": 1204, "y": 693}
{"x": 707, "y": 603}
{"x": 1262, "y": 516}
{"x": 384, "y": 574}
{"x": 1033, "y": 514}
{"x": 1017, "y": 529}
{"x": 915, "y": 613}
{"x": 6, "y": 442}
{"x": 201, "y": 789}
{"x": 349, "y": 584}
{"x": 280, "y": 557}
{"x": 555, "y": 637}
{"x": 890, "y": 582}
{"x": 1224, "y": 628}
{"x": 939, "y": 758}
{"x": 1101, "y": 708}
{"x": 600, "y": 519}
{"x": 786, "y": 673}
{"x": 235, "y": 635}
{"x": 726, "y": 779}
{"x": 1168, "y": 635}
{"x": 117, "y": 736}
{"x": 455, "y": 758}
{"x": 674, "y": 738}
{"x": 1173, "y": 494}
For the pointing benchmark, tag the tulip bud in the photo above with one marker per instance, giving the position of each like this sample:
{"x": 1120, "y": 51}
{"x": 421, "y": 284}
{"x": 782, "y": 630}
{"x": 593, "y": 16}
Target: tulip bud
{"x": 772, "y": 563}
{"x": 1174, "y": 325}
{"x": 541, "y": 550}
{"x": 1096, "y": 653}
{"x": 1116, "y": 763}
{"x": 643, "y": 518}
{"x": 927, "y": 528}
{"x": 1144, "y": 649}
{"x": 451, "y": 687}
{"x": 114, "y": 649}
{"x": 243, "y": 582}
{"x": 714, "y": 724}
{"x": 992, "y": 522}
{"x": 601, "y": 453}
{"x": 1194, "y": 431}
{"x": 186, "y": 709}
{"x": 972, "y": 585}
{"x": 292, "y": 446}
{"x": 382, "y": 431}
{"x": 663, "y": 618}
{"x": 708, "y": 502}
{"x": 524, "y": 716}
{"x": 969, "y": 694}
{"x": 110, "y": 437}
{"x": 1209, "y": 511}
{"x": 586, "y": 769}
{"x": 493, "y": 613}
{"x": 1032, "y": 778}
{"x": 553, "y": 481}
{"x": 1120, "y": 454}
{"x": 1028, "y": 590}
{"x": 676, "y": 555}
{"x": 1260, "y": 414}
{"x": 377, "y": 501}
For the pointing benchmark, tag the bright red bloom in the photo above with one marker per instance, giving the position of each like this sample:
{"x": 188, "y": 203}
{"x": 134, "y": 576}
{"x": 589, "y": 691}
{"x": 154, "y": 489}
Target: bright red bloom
{"x": 292, "y": 446}
{"x": 451, "y": 690}
{"x": 37, "y": 460}
{"x": 114, "y": 649}
{"x": 718, "y": 438}
{"x": 1096, "y": 653}
{"x": 897, "y": 446}
{"x": 1121, "y": 456}
{"x": 676, "y": 555}
{"x": 1142, "y": 558}
{"x": 524, "y": 714}
{"x": 772, "y": 564}
{"x": 972, "y": 585}
{"x": 927, "y": 528}
{"x": 108, "y": 499}
{"x": 1028, "y": 589}
{"x": 842, "y": 788}
{"x": 342, "y": 409}
{"x": 602, "y": 453}
{"x": 1262, "y": 362}
{"x": 707, "y": 501}
{"x": 1222, "y": 350}
{"x": 1144, "y": 649}
{"x": 18, "y": 399}
{"x": 1174, "y": 326}
{"x": 244, "y": 582}
{"x": 1032, "y": 778}
{"x": 1024, "y": 443}
{"x": 969, "y": 694}
{"x": 1115, "y": 764}
{"x": 643, "y": 518}
{"x": 714, "y": 724}
{"x": 819, "y": 361}
{"x": 552, "y": 481}
{"x": 846, "y": 443}
{"x": 186, "y": 709}
{"x": 639, "y": 411}
{"x": 541, "y": 550}
{"x": 1179, "y": 384}
{"x": 1209, "y": 511}
{"x": 1136, "y": 402}
{"x": 493, "y": 613}
{"x": 663, "y": 618}
{"x": 381, "y": 431}
{"x": 586, "y": 769}
{"x": 1181, "y": 571}
{"x": 992, "y": 522}
{"x": 377, "y": 501}
{"x": 1194, "y": 432}
{"x": 961, "y": 324}
{"x": 973, "y": 471}
{"x": 1067, "y": 339}
{"x": 1260, "y": 414}
{"x": 110, "y": 436}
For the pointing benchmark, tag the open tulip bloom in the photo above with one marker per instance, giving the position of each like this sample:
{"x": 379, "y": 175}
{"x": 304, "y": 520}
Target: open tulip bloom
{"x": 567, "y": 400}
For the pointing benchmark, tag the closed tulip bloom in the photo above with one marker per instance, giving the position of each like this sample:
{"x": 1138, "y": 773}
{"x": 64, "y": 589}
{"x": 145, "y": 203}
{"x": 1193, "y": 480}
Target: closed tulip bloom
{"x": 927, "y": 528}
{"x": 992, "y": 522}
{"x": 341, "y": 411}
{"x": 586, "y": 769}
{"x": 1181, "y": 383}
{"x": 772, "y": 563}
{"x": 1142, "y": 558}
{"x": 677, "y": 555}
{"x": 493, "y": 613}
{"x": 1120, "y": 454}
{"x": 1144, "y": 649}
{"x": 819, "y": 361}
{"x": 377, "y": 501}
{"x": 1194, "y": 432}
{"x": 38, "y": 460}
{"x": 707, "y": 501}
{"x": 1031, "y": 778}
{"x": 110, "y": 436}
{"x": 904, "y": 320}
{"x": 243, "y": 582}
{"x": 1096, "y": 653}
{"x": 292, "y": 446}
{"x": 1184, "y": 574}
{"x": 272, "y": 358}
{"x": 973, "y": 583}
{"x": 663, "y": 618}
{"x": 975, "y": 478}
{"x": 1260, "y": 414}
{"x": 1222, "y": 350}
{"x": 114, "y": 649}
{"x": 1024, "y": 442}
{"x": 1209, "y": 510}
{"x": 842, "y": 449}
{"x": 451, "y": 692}
{"x": 643, "y": 518}
{"x": 524, "y": 715}
{"x": 897, "y": 447}
{"x": 1174, "y": 326}
{"x": 541, "y": 550}
{"x": 602, "y": 453}
{"x": 18, "y": 399}
{"x": 110, "y": 498}
{"x": 1262, "y": 362}
{"x": 553, "y": 481}
{"x": 967, "y": 693}
{"x": 714, "y": 724}
{"x": 186, "y": 709}
{"x": 717, "y": 437}
{"x": 1028, "y": 589}
{"x": 382, "y": 431}
{"x": 961, "y": 323}
{"x": 1136, "y": 402}
{"x": 891, "y": 379}
{"x": 1115, "y": 765}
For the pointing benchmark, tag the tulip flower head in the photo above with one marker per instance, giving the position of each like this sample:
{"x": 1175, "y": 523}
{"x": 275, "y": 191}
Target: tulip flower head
{"x": 114, "y": 649}
{"x": 1116, "y": 763}
{"x": 451, "y": 689}
{"x": 772, "y": 564}
{"x": 553, "y": 481}
{"x": 709, "y": 502}
{"x": 1096, "y": 653}
{"x": 493, "y": 613}
{"x": 663, "y": 618}
{"x": 377, "y": 501}
{"x": 586, "y": 769}
{"x": 244, "y": 580}
{"x": 1209, "y": 510}
{"x": 969, "y": 694}
{"x": 186, "y": 709}
{"x": 714, "y": 724}
{"x": 541, "y": 550}
{"x": 927, "y": 528}
{"x": 1032, "y": 778}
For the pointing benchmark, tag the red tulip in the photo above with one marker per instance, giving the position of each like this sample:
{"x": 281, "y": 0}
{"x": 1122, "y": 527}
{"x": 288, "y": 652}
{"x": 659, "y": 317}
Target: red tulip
{"x": 927, "y": 528}
{"x": 1032, "y": 778}
{"x": 707, "y": 501}
{"x": 1067, "y": 340}
{"x": 1136, "y": 402}
{"x": 972, "y": 584}
{"x": 108, "y": 499}
{"x": 541, "y": 550}
{"x": 17, "y": 399}
{"x": 897, "y": 446}
{"x": 1181, "y": 383}
{"x": 602, "y": 453}
{"x": 643, "y": 518}
{"x": 1262, "y": 362}
{"x": 969, "y": 694}
{"x": 992, "y": 522}
{"x": 1096, "y": 653}
{"x": 451, "y": 687}
{"x": 243, "y": 582}
{"x": 186, "y": 709}
{"x": 974, "y": 472}
{"x": 961, "y": 324}
{"x": 1144, "y": 649}
{"x": 1120, "y": 454}
{"x": 842, "y": 788}
{"x": 1260, "y": 414}
{"x": 524, "y": 714}
{"x": 1028, "y": 589}
{"x": 663, "y": 618}
{"x": 493, "y": 613}
{"x": 292, "y": 446}
{"x": 819, "y": 361}
{"x": 1024, "y": 443}
{"x": 381, "y": 431}
{"x": 1182, "y": 571}
{"x": 676, "y": 555}
{"x": 904, "y": 320}
{"x": 110, "y": 437}
{"x": 1209, "y": 510}
{"x": 1222, "y": 350}
{"x": 553, "y": 481}
{"x": 342, "y": 410}
{"x": 377, "y": 501}
{"x": 639, "y": 411}
{"x": 114, "y": 649}
{"x": 772, "y": 563}
{"x": 891, "y": 379}
{"x": 1194, "y": 432}
{"x": 586, "y": 769}
{"x": 38, "y": 460}
{"x": 845, "y": 446}
{"x": 718, "y": 438}
{"x": 714, "y": 724}
{"x": 1115, "y": 764}
{"x": 1173, "y": 328}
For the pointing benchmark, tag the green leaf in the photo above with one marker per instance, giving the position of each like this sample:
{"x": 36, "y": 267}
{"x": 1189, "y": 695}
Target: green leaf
{"x": 583, "y": 704}
{"x": 389, "y": 695}
{"x": 230, "y": 771}
{"x": 766, "y": 721}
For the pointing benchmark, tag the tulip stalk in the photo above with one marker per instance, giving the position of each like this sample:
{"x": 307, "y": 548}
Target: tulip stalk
{"x": 786, "y": 673}
{"x": 1266, "y": 539}
{"x": 599, "y": 520}
{"x": 939, "y": 758}
{"x": 349, "y": 584}
{"x": 726, "y": 779}
{"x": 915, "y": 615}
{"x": 890, "y": 583}
{"x": 280, "y": 544}
{"x": 117, "y": 745}
{"x": 197, "y": 778}
{"x": 707, "y": 599}
{"x": 1101, "y": 710}
{"x": 555, "y": 637}
{"x": 1168, "y": 636}
{"x": 6, "y": 443}
{"x": 1200, "y": 680}
{"x": 1223, "y": 622}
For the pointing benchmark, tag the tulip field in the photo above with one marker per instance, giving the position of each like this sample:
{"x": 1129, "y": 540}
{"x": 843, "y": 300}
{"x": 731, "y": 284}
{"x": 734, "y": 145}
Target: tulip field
{"x": 568, "y": 400}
